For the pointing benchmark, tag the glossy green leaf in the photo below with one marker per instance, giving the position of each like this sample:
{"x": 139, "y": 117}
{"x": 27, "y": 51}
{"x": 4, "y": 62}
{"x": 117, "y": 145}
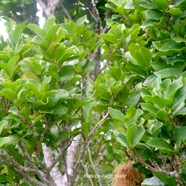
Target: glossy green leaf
{"x": 4, "y": 141}
{"x": 35, "y": 28}
{"x": 3, "y": 124}
{"x": 162, "y": 115}
{"x": 132, "y": 116}
{"x": 109, "y": 37}
{"x": 8, "y": 94}
{"x": 179, "y": 135}
{"x": 149, "y": 107}
{"x": 169, "y": 72}
{"x": 48, "y": 23}
{"x": 137, "y": 135}
{"x": 67, "y": 73}
{"x": 161, "y": 4}
{"x": 173, "y": 88}
{"x": 175, "y": 11}
{"x": 179, "y": 2}
{"x": 129, "y": 6}
{"x": 134, "y": 135}
{"x": 16, "y": 34}
{"x": 81, "y": 20}
{"x": 160, "y": 144}
{"x": 51, "y": 33}
{"x": 160, "y": 102}
{"x": 122, "y": 139}
{"x": 154, "y": 15}
{"x": 116, "y": 114}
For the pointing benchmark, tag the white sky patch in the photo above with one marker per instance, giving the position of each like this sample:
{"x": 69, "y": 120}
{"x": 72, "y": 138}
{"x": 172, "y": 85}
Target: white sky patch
{"x": 39, "y": 14}
{"x": 3, "y": 31}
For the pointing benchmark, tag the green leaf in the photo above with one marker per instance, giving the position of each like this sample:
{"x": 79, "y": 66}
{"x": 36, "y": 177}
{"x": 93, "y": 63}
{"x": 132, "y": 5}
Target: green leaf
{"x": 54, "y": 96}
{"x": 109, "y": 37}
{"x": 121, "y": 138}
{"x": 132, "y": 116}
{"x": 35, "y": 28}
{"x": 9, "y": 94}
{"x": 3, "y": 125}
{"x": 169, "y": 73}
{"x": 160, "y": 144}
{"x": 149, "y": 107}
{"x": 134, "y": 135}
{"x": 167, "y": 180}
{"x": 161, "y": 4}
{"x": 81, "y": 20}
{"x": 129, "y": 134}
{"x": 129, "y": 6}
{"x": 67, "y": 73}
{"x": 179, "y": 39}
{"x": 160, "y": 102}
{"x": 175, "y": 12}
{"x": 11, "y": 65}
{"x": 171, "y": 45}
{"x": 16, "y": 34}
{"x": 116, "y": 114}
{"x": 56, "y": 50}
{"x": 154, "y": 15}
{"x": 63, "y": 135}
{"x": 162, "y": 115}
{"x": 141, "y": 54}
{"x": 4, "y": 141}
{"x": 51, "y": 33}
{"x": 179, "y": 135}
{"x": 179, "y": 2}
{"x": 173, "y": 88}
{"x": 138, "y": 133}
{"x": 155, "y": 128}
{"x": 48, "y": 23}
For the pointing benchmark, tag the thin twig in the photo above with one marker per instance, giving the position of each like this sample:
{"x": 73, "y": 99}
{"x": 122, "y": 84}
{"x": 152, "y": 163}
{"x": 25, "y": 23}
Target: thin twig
{"x": 154, "y": 169}
{"x": 65, "y": 11}
{"x": 31, "y": 180}
{"x": 87, "y": 141}
{"x": 28, "y": 157}
{"x": 10, "y": 159}
{"x": 95, "y": 14}
{"x": 19, "y": 170}
{"x": 87, "y": 174}
{"x": 41, "y": 139}
{"x": 98, "y": 125}
{"x": 93, "y": 166}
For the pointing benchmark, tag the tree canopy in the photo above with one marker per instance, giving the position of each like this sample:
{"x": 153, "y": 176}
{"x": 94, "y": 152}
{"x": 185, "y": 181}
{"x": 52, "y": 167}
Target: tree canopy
{"x": 101, "y": 83}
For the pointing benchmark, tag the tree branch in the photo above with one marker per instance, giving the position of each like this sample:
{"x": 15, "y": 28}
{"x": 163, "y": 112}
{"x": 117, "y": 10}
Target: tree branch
{"x": 28, "y": 157}
{"x": 95, "y": 14}
{"x": 154, "y": 169}
{"x": 87, "y": 141}
{"x": 55, "y": 174}
{"x": 49, "y": 9}
{"x": 20, "y": 171}
{"x": 71, "y": 158}
{"x": 31, "y": 180}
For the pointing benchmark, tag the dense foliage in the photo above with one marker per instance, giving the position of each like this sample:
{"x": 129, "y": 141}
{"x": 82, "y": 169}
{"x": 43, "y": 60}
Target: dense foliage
{"x": 132, "y": 107}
